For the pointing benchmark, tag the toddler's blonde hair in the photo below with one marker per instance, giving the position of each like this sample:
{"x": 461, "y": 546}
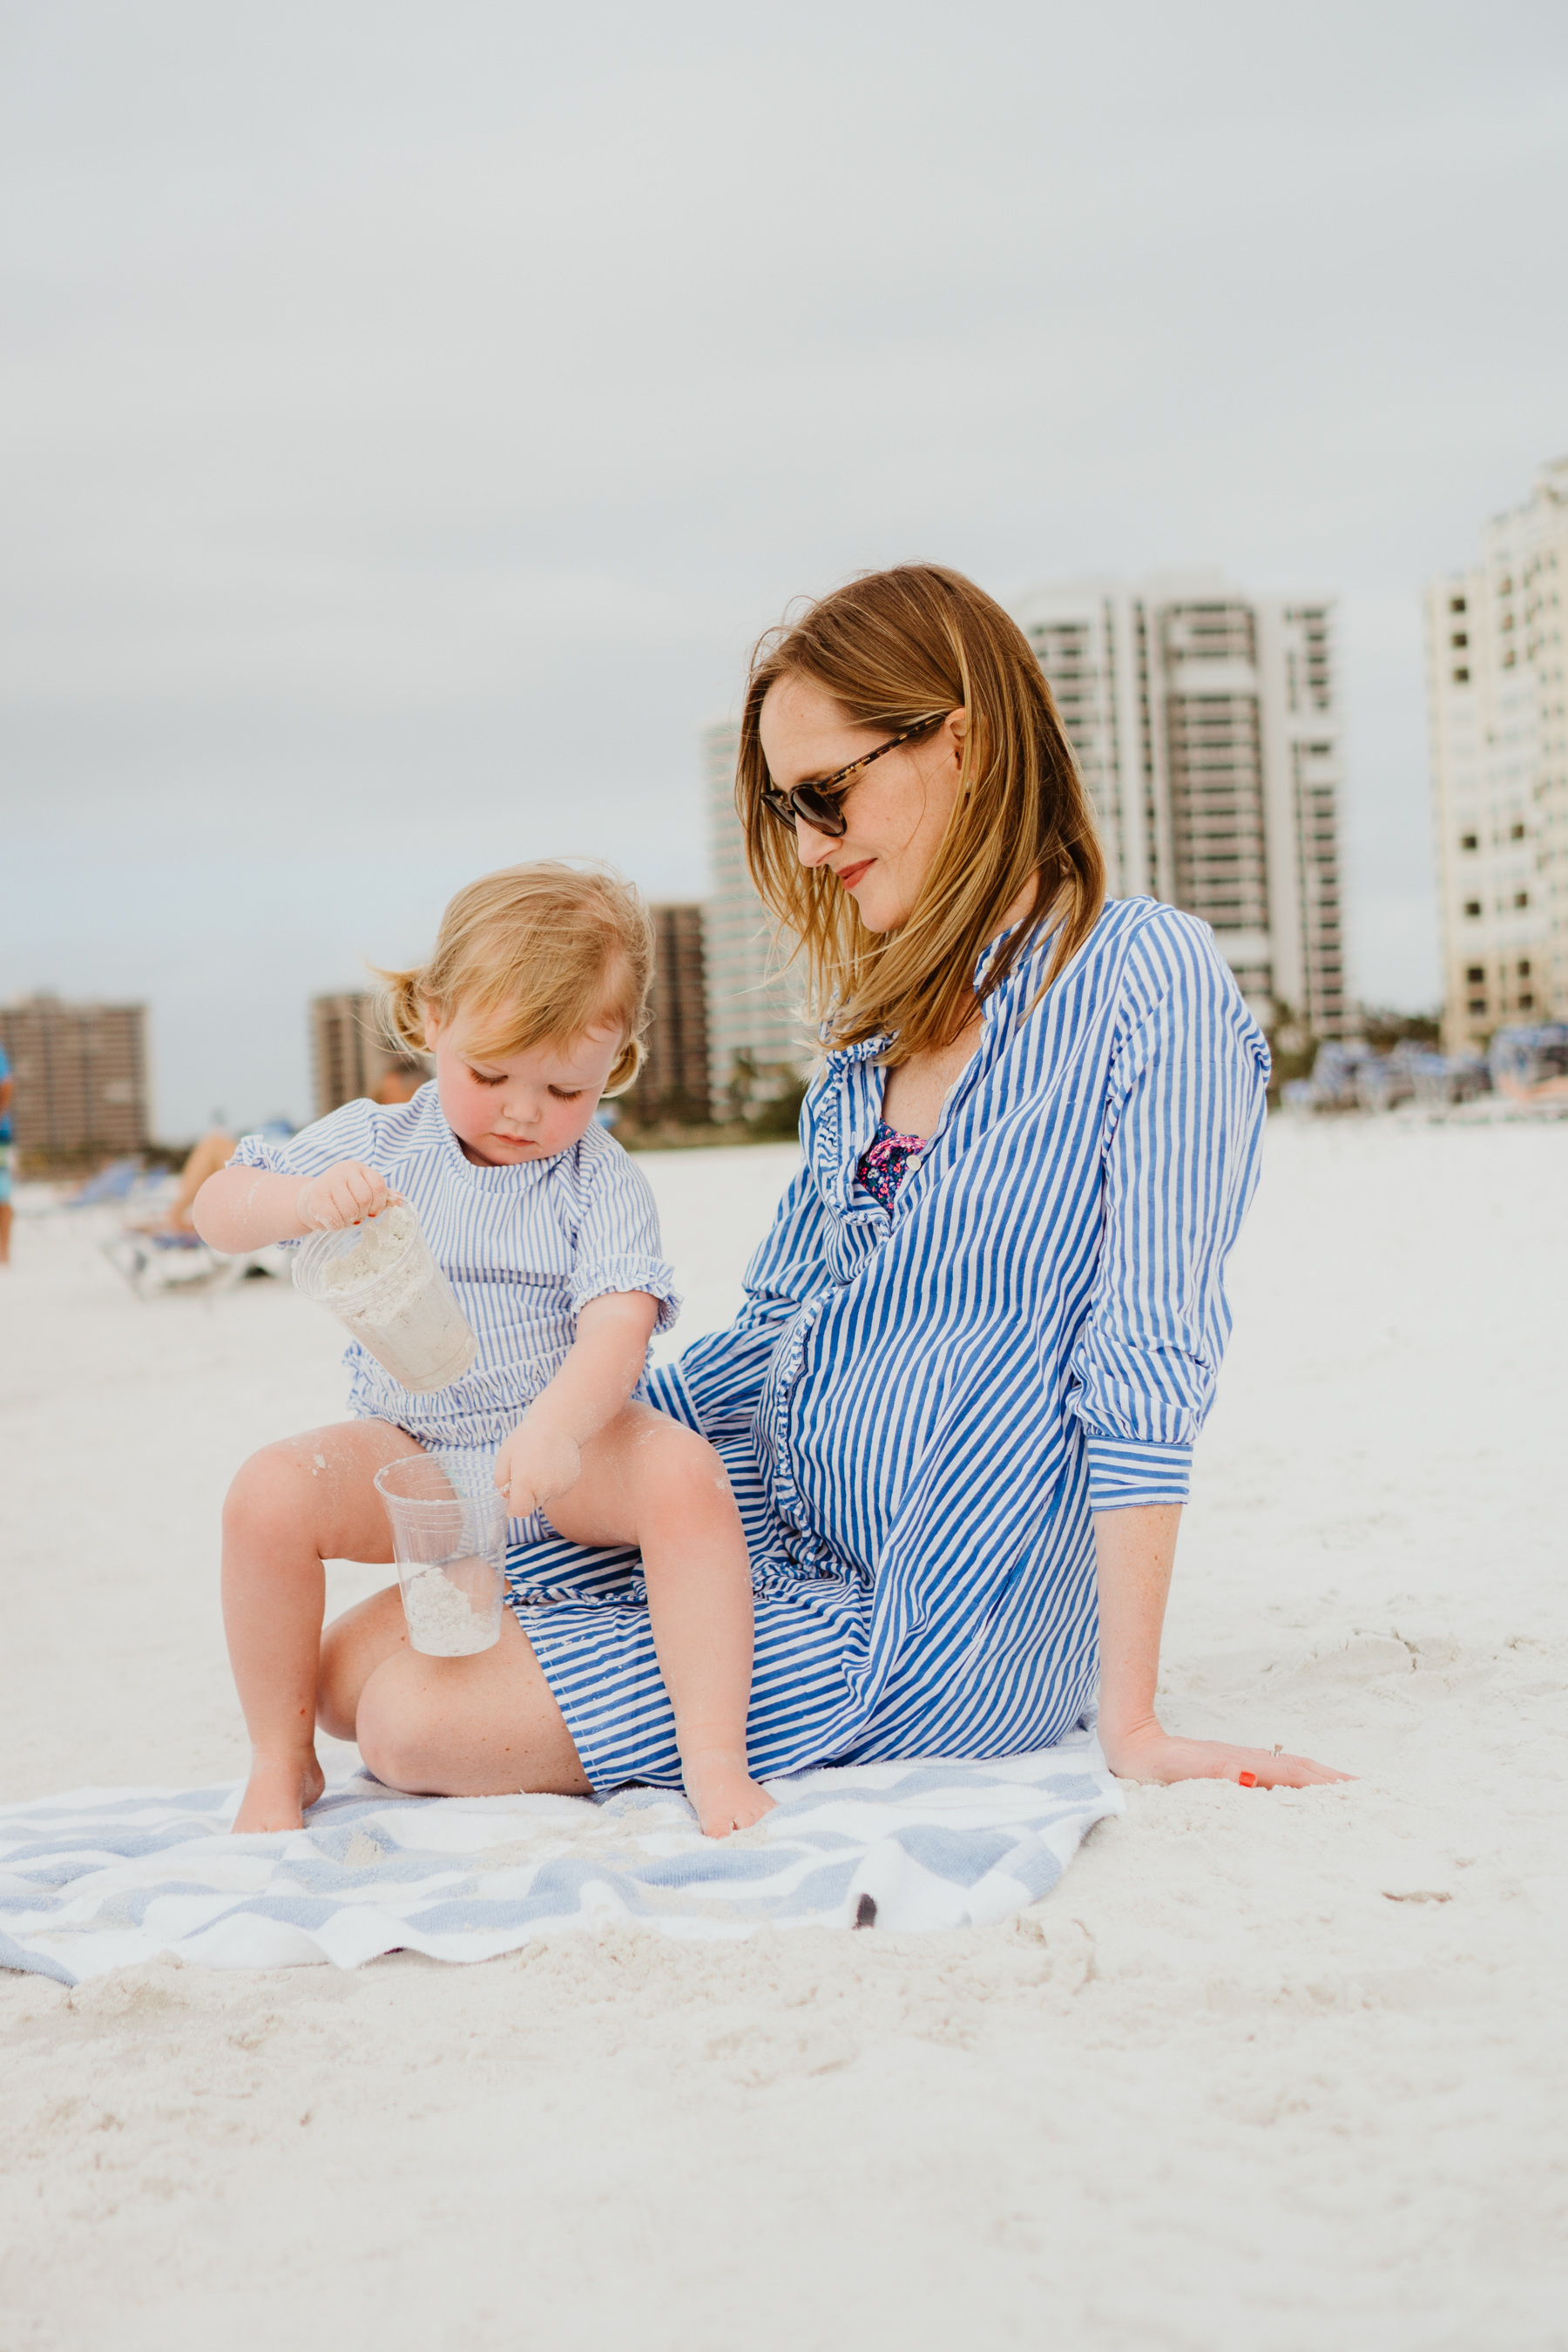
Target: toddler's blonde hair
{"x": 533, "y": 955}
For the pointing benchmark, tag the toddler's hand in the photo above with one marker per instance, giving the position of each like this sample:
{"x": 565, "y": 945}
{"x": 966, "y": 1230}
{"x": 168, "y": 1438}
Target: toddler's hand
{"x": 534, "y": 1465}
{"x": 343, "y": 1195}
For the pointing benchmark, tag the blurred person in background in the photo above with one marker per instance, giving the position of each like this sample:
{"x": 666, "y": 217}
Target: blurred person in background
{"x": 214, "y": 1151}
{"x": 400, "y": 1081}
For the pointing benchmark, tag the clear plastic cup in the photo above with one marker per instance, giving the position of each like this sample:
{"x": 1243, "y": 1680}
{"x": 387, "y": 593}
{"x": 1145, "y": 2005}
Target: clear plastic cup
{"x": 381, "y": 1282}
{"x": 449, "y": 1544}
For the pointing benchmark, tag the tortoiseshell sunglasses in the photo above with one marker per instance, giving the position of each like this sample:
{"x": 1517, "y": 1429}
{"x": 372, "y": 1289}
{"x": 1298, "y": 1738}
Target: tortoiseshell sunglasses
{"x": 818, "y": 804}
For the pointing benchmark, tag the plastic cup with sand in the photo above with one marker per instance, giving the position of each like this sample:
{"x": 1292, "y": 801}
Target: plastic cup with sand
{"x": 381, "y": 1282}
{"x": 449, "y": 1544}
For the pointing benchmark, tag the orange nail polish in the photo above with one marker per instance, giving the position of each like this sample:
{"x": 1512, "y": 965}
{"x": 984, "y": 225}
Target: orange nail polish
{"x": 1247, "y": 1779}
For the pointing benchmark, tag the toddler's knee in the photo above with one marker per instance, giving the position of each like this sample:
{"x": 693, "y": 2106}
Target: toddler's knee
{"x": 695, "y": 1460}
{"x": 688, "y": 1470}
{"x": 262, "y": 1490}
{"x": 689, "y": 1481}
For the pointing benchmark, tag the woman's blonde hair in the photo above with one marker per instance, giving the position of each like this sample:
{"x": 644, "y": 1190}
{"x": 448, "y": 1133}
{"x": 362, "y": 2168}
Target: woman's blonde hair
{"x": 533, "y": 955}
{"x": 893, "y": 649}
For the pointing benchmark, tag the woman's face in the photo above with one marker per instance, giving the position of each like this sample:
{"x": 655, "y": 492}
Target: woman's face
{"x": 896, "y": 813}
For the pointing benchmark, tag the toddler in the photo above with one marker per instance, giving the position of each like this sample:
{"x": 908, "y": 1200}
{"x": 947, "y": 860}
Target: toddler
{"x": 530, "y": 1007}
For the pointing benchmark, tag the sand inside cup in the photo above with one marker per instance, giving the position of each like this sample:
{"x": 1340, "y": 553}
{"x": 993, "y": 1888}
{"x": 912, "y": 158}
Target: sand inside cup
{"x": 441, "y": 1624}
{"x": 448, "y": 1535}
{"x": 383, "y": 1244}
{"x": 390, "y": 1293}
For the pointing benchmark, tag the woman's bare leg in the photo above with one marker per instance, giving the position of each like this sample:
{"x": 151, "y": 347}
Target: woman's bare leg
{"x": 483, "y": 1725}
{"x": 214, "y": 1151}
{"x": 293, "y": 1506}
{"x": 646, "y": 1480}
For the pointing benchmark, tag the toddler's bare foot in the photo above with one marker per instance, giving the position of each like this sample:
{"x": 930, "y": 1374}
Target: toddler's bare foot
{"x": 723, "y": 1791}
{"x": 278, "y": 1791}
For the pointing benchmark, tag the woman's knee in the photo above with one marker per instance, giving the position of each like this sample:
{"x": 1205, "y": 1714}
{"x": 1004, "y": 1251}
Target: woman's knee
{"x": 353, "y": 1647}
{"x": 398, "y": 1737}
{"x": 392, "y": 1749}
{"x": 339, "y": 1679}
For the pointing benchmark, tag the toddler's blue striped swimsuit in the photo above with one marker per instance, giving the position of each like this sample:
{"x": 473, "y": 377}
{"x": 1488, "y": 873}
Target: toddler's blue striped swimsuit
{"x": 524, "y": 1247}
{"x": 923, "y": 1402}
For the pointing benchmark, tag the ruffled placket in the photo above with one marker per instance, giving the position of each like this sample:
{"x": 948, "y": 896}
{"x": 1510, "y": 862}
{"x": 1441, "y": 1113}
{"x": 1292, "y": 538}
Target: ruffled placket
{"x": 842, "y": 1124}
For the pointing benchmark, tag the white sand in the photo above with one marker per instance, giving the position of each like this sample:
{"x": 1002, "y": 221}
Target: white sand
{"x": 1219, "y": 2091}
{"x": 441, "y": 1620}
{"x": 390, "y": 1293}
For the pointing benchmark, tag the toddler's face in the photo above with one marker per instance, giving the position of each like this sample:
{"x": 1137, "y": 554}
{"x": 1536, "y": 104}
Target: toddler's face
{"x": 528, "y": 1107}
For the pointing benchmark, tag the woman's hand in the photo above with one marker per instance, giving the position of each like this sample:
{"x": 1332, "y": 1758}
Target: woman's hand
{"x": 344, "y": 1195}
{"x": 536, "y": 1462}
{"x": 1134, "y": 1551}
{"x": 1149, "y": 1754}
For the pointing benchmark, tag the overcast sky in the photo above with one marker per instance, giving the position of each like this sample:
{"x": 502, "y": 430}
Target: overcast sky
{"x": 410, "y": 414}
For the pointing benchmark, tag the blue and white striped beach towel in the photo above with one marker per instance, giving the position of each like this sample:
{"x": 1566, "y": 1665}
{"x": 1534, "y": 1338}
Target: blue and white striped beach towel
{"x": 102, "y": 1878}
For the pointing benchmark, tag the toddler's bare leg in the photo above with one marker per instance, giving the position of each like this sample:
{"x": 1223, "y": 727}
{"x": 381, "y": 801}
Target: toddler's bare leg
{"x": 293, "y": 1506}
{"x": 646, "y": 1480}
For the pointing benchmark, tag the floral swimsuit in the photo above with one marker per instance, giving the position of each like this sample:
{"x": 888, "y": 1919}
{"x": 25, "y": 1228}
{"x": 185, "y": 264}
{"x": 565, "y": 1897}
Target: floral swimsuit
{"x": 882, "y": 1168}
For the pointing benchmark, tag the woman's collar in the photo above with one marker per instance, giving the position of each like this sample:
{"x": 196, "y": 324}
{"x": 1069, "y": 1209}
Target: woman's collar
{"x": 867, "y": 1049}
{"x": 1036, "y": 946}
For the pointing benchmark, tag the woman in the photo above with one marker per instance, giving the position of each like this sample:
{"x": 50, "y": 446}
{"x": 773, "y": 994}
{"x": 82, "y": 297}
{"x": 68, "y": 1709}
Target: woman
{"x": 959, "y": 1406}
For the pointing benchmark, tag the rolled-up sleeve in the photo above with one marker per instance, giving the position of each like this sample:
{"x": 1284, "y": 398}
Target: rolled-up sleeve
{"x": 1181, "y": 1146}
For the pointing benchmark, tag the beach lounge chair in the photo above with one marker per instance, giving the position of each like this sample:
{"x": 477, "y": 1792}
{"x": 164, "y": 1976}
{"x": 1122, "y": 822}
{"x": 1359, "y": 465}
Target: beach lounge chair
{"x": 150, "y": 1263}
{"x": 116, "y": 1182}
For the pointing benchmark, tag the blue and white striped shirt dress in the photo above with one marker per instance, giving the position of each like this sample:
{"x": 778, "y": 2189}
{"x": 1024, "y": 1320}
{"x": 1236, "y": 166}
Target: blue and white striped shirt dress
{"x": 921, "y": 1409}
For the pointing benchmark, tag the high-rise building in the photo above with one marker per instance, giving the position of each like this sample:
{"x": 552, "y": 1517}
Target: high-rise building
{"x": 81, "y": 1075}
{"x": 1500, "y": 770}
{"x": 350, "y": 1054}
{"x": 1206, "y": 725}
{"x": 674, "y": 1080}
{"x": 756, "y": 1045}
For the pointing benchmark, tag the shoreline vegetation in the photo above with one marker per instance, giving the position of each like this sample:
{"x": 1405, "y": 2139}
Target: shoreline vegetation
{"x": 777, "y": 1121}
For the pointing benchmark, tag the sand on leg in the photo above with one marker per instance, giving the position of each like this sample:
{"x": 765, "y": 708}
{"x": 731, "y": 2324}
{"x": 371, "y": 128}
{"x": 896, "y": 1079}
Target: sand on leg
{"x": 646, "y": 1480}
{"x": 294, "y": 1505}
